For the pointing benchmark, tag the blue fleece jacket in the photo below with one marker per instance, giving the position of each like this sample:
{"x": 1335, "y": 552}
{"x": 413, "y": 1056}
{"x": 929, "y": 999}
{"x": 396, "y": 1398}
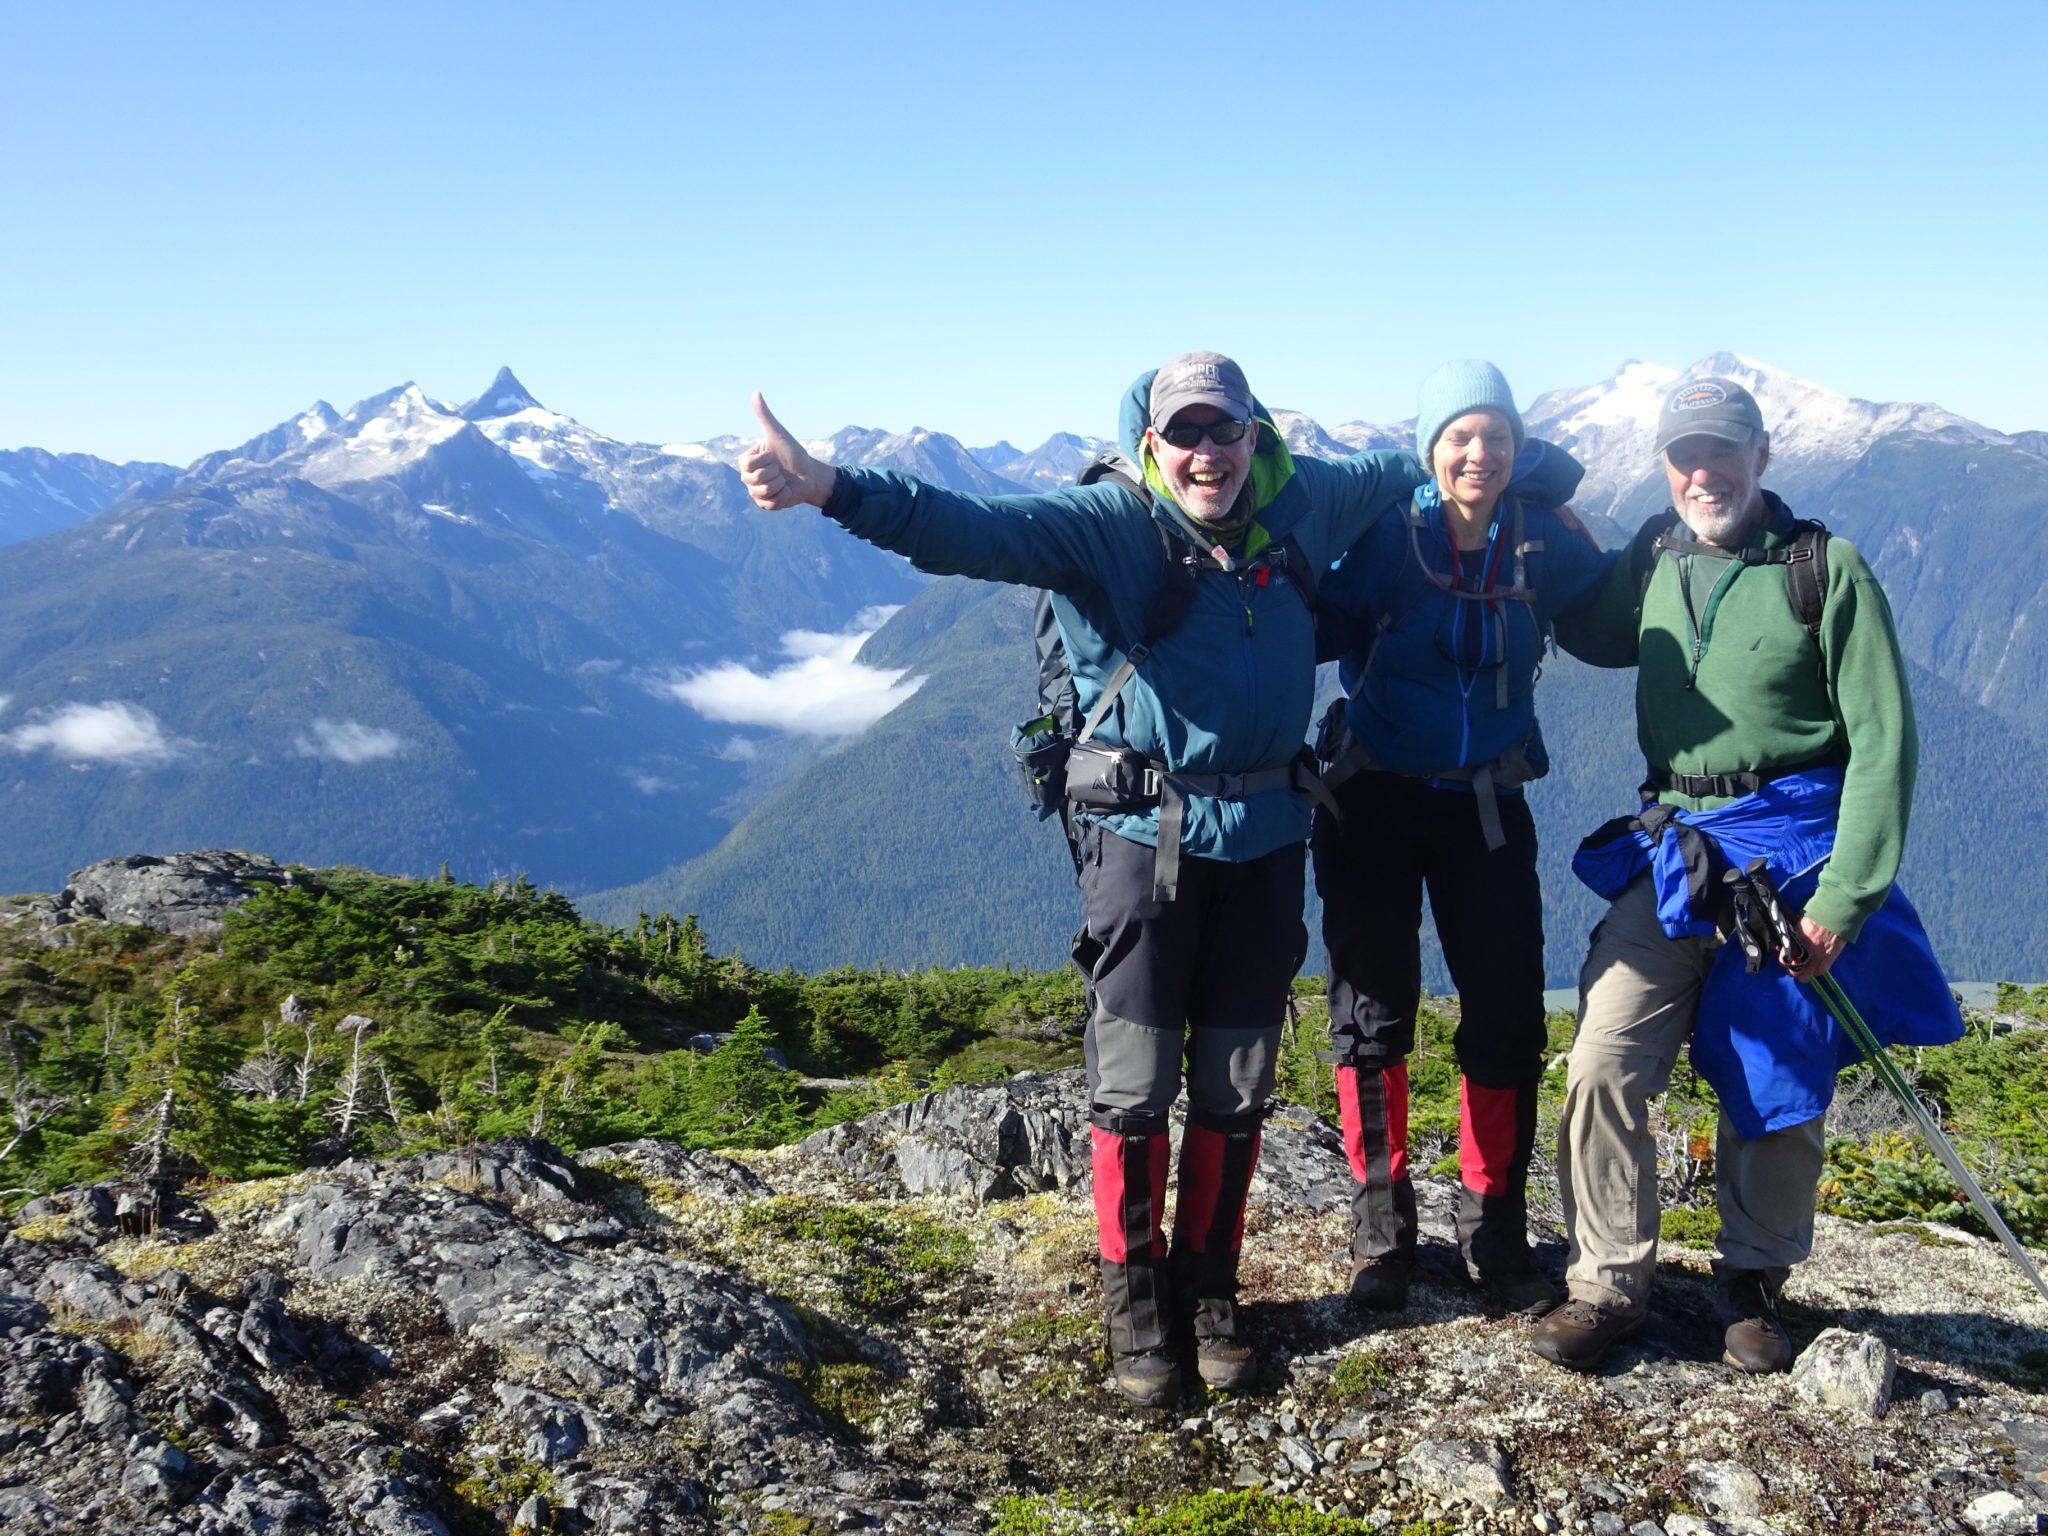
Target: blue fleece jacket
{"x": 1414, "y": 709}
{"x": 1230, "y": 690}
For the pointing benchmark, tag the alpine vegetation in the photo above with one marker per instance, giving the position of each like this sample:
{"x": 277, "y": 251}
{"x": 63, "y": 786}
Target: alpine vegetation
{"x": 436, "y": 1207}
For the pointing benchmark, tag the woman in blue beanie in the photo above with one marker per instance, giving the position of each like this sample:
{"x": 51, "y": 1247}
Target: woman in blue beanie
{"x": 1427, "y": 753}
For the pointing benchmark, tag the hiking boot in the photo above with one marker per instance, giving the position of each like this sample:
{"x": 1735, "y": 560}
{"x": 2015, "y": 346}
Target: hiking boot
{"x": 1528, "y": 1294}
{"x": 1577, "y": 1334}
{"x": 1746, "y": 1304}
{"x": 1381, "y": 1285}
{"x": 1223, "y": 1358}
{"x": 1148, "y": 1379}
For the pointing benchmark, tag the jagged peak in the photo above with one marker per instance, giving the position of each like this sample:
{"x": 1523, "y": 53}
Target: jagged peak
{"x": 405, "y": 396}
{"x": 505, "y": 396}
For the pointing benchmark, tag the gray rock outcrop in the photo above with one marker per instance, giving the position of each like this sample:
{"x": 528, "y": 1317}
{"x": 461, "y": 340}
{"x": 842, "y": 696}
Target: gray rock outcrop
{"x": 170, "y": 893}
{"x": 643, "y": 1338}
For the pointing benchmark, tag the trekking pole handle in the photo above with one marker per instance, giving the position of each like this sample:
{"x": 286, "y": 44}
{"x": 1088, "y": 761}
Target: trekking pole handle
{"x": 1784, "y": 927}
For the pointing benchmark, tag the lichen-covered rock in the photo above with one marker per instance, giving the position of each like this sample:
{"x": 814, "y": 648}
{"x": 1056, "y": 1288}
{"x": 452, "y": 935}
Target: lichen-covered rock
{"x": 986, "y": 1142}
{"x": 173, "y": 893}
{"x": 1847, "y": 1370}
{"x": 642, "y": 1339}
{"x": 687, "y": 1170}
{"x": 1725, "y": 1487}
{"x": 1459, "y": 1471}
{"x": 2000, "y": 1514}
{"x": 519, "y": 1169}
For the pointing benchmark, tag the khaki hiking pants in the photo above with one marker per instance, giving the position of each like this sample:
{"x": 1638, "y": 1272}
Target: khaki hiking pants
{"x": 1638, "y": 999}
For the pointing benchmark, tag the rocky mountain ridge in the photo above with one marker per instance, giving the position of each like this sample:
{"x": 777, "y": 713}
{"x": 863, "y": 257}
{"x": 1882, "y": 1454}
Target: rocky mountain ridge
{"x": 889, "y": 1327}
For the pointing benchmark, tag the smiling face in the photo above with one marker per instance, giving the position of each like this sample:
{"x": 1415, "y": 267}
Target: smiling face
{"x": 1471, "y": 459}
{"x": 1204, "y": 481}
{"x": 1717, "y": 485}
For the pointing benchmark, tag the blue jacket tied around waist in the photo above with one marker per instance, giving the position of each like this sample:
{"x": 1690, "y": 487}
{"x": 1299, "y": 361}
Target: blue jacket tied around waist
{"x": 1765, "y": 1042}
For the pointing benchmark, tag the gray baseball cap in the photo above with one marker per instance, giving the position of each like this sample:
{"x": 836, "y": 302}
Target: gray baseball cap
{"x": 1200, "y": 378}
{"x": 1708, "y": 408}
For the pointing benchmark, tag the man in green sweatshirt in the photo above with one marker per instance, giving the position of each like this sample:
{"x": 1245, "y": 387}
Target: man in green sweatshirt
{"x": 1736, "y": 687}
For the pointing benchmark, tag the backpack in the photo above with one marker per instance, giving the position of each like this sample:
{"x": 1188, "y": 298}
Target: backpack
{"x": 1044, "y": 744}
{"x": 1805, "y": 558}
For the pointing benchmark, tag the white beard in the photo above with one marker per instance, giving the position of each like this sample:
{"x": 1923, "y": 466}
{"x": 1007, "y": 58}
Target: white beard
{"x": 1725, "y": 527}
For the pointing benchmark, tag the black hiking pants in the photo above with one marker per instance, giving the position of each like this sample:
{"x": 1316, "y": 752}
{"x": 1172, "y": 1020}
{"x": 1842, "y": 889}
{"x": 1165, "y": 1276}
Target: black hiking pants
{"x": 1199, "y": 983}
{"x": 1399, "y": 837}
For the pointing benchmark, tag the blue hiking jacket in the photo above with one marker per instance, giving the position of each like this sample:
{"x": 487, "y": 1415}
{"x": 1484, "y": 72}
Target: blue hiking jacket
{"x": 1414, "y": 710}
{"x": 1230, "y": 690}
{"x": 1766, "y": 1042}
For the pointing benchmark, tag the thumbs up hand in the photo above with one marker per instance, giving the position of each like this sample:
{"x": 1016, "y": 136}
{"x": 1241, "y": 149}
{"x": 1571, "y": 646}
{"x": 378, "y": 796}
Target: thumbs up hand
{"x": 779, "y": 472}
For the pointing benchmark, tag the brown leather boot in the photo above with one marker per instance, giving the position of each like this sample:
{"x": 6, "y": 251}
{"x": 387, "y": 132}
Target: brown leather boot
{"x": 1578, "y": 1334}
{"x": 1746, "y": 1304}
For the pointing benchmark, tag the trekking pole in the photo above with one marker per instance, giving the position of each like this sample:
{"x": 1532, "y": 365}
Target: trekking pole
{"x": 1888, "y": 1072}
{"x": 1754, "y": 884}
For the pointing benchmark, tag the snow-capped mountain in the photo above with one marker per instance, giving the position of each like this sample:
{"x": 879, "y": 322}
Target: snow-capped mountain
{"x": 358, "y": 636}
{"x": 1611, "y": 427}
{"x": 43, "y": 493}
{"x": 1055, "y": 462}
{"x": 926, "y": 454}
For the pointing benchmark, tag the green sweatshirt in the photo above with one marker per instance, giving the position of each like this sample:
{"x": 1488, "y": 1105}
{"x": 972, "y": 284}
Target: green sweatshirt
{"x": 1728, "y": 681}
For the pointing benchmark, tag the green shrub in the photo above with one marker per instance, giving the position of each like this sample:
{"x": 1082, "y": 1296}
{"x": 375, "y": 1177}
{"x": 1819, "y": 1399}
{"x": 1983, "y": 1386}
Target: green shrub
{"x": 1360, "y": 1373}
{"x": 1689, "y": 1228}
{"x": 1243, "y": 1512}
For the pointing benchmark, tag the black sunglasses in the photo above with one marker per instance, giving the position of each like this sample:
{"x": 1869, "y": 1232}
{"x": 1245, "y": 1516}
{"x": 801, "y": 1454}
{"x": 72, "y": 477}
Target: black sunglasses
{"x": 1190, "y": 434}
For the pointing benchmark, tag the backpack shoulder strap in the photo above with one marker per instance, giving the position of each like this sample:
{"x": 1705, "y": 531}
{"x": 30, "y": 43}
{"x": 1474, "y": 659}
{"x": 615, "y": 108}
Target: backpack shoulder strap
{"x": 1647, "y": 545}
{"x": 1180, "y": 567}
{"x": 1113, "y": 466}
{"x": 1301, "y": 571}
{"x": 1806, "y": 574}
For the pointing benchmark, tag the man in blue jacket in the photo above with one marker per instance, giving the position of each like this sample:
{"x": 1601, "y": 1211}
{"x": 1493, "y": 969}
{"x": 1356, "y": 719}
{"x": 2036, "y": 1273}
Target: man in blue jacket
{"x": 1192, "y": 834}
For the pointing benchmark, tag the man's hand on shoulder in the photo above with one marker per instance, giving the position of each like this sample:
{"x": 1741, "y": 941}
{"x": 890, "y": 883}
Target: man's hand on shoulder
{"x": 1823, "y": 949}
{"x": 779, "y": 471}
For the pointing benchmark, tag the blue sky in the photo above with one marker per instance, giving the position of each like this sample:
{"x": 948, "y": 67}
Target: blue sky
{"x": 986, "y": 220}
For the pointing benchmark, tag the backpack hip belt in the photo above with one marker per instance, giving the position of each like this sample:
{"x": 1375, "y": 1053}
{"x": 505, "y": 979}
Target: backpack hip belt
{"x": 1518, "y": 765}
{"x": 1729, "y": 786}
{"x": 1116, "y": 780}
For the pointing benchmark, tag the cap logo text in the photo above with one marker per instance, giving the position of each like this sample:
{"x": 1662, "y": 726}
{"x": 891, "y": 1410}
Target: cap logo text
{"x": 1696, "y": 397}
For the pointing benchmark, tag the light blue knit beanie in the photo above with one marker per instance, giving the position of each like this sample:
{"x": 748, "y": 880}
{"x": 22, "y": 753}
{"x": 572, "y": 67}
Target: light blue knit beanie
{"x": 1454, "y": 389}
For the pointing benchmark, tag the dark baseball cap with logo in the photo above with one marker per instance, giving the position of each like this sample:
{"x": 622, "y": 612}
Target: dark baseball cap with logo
{"x": 1708, "y": 408}
{"x": 1200, "y": 378}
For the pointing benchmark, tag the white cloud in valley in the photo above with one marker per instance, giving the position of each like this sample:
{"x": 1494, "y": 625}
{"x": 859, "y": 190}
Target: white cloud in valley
{"x": 348, "y": 741}
{"x": 109, "y": 732}
{"x": 819, "y": 691}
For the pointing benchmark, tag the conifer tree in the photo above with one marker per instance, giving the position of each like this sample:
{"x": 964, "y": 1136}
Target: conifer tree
{"x": 175, "y": 1116}
{"x": 740, "y": 1097}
